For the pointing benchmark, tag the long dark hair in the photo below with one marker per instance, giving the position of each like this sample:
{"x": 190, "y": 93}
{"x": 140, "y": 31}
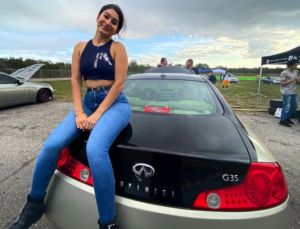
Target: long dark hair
{"x": 122, "y": 22}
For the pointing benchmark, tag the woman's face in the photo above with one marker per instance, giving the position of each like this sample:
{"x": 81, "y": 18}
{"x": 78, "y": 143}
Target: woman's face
{"x": 108, "y": 22}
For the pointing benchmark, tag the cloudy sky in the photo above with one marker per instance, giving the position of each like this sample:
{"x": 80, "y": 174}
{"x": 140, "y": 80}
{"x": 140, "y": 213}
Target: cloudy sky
{"x": 234, "y": 33}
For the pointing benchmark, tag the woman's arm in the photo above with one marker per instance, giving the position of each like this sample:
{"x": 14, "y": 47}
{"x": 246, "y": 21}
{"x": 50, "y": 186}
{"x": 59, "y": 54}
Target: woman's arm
{"x": 121, "y": 66}
{"x": 76, "y": 82}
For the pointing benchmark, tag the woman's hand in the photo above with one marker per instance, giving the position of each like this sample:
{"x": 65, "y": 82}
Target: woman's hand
{"x": 80, "y": 121}
{"x": 91, "y": 121}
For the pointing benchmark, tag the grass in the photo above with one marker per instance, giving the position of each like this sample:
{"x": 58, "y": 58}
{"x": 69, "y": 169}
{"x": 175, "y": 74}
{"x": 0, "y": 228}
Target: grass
{"x": 62, "y": 90}
{"x": 246, "y": 78}
{"x": 243, "y": 93}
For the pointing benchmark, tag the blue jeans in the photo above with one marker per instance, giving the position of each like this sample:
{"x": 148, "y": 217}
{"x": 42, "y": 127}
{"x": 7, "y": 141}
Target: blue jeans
{"x": 290, "y": 105}
{"x": 108, "y": 127}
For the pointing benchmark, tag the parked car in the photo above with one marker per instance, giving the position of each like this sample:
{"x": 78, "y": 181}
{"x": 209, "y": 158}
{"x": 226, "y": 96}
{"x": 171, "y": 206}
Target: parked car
{"x": 14, "y": 88}
{"x": 232, "y": 79}
{"x": 270, "y": 80}
{"x": 184, "y": 161}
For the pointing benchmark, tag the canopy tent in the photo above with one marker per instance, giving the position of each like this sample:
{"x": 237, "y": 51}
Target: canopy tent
{"x": 218, "y": 70}
{"x": 280, "y": 58}
{"x": 205, "y": 70}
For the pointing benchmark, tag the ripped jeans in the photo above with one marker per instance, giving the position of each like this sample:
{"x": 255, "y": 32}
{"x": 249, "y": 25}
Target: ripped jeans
{"x": 108, "y": 127}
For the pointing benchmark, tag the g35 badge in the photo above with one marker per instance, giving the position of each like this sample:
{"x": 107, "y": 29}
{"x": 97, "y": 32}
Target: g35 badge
{"x": 230, "y": 177}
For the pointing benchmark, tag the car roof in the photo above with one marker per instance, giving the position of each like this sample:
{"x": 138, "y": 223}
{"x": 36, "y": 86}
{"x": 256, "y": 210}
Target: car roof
{"x": 167, "y": 76}
{"x": 169, "y": 69}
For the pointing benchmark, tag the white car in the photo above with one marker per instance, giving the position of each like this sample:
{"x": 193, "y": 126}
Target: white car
{"x": 233, "y": 79}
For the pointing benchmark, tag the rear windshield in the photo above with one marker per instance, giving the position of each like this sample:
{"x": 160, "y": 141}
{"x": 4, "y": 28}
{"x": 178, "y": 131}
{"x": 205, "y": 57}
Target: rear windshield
{"x": 170, "y": 96}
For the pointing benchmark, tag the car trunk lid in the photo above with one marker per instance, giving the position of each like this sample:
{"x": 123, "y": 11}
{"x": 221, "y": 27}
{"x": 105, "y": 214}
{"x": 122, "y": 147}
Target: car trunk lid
{"x": 172, "y": 164}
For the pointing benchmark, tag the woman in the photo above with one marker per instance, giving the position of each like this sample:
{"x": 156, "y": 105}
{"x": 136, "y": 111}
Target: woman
{"x": 104, "y": 111}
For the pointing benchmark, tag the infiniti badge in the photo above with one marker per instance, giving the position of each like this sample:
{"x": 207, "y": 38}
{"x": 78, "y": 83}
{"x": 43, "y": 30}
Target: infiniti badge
{"x": 140, "y": 168}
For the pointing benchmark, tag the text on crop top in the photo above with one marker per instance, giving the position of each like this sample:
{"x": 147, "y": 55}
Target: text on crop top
{"x": 96, "y": 62}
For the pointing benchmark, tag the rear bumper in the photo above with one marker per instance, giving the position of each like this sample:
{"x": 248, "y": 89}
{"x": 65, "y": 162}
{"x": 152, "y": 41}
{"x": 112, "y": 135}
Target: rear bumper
{"x": 71, "y": 204}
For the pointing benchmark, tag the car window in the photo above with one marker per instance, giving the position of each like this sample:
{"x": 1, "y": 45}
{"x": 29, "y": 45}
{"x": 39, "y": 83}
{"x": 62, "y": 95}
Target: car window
{"x": 4, "y": 79}
{"x": 170, "y": 96}
{"x": 275, "y": 78}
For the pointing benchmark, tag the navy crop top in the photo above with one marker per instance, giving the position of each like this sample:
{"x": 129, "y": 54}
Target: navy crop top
{"x": 96, "y": 62}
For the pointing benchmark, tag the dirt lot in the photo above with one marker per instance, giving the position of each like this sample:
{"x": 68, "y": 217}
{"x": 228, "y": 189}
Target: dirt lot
{"x": 24, "y": 128}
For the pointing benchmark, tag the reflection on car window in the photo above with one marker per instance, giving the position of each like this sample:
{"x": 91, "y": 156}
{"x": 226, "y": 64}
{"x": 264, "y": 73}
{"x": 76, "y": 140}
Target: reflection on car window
{"x": 4, "y": 79}
{"x": 275, "y": 78}
{"x": 170, "y": 96}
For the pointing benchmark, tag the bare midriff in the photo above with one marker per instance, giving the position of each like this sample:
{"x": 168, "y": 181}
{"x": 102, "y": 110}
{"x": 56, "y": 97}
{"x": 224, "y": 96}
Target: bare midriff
{"x": 98, "y": 83}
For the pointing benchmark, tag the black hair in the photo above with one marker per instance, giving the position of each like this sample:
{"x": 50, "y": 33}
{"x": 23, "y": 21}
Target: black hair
{"x": 292, "y": 62}
{"x": 122, "y": 22}
{"x": 162, "y": 60}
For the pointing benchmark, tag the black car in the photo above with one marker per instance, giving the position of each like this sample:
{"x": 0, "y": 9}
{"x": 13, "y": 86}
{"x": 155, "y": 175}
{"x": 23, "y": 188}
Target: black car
{"x": 184, "y": 161}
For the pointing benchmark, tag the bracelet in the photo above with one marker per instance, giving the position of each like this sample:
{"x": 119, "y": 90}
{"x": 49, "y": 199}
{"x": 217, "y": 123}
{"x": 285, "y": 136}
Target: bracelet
{"x": 79, "y": 113}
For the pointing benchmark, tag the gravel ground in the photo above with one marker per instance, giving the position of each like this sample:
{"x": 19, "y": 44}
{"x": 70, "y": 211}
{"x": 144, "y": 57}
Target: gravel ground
{"x": 24, "y": 128}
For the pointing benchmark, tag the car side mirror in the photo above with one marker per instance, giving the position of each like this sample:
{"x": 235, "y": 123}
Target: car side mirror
{"x": 18, "y": 82}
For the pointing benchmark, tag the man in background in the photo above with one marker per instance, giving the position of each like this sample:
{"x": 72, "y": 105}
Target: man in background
{"x": 288, "y": 89}
{"x": 189, "y": 65}
{"x": 226, "y": 76}
{"x": 163, "y": 62}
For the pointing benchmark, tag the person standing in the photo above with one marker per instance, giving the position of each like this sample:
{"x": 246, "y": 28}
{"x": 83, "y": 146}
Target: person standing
{"x": 288, "y": 89}
{"x": 226, "y": 76}
{"x": 189, "y": 65}
{"x": 212, "y": 78}
{"x": 163, "y": 62}
{"x": 104, "y": 112}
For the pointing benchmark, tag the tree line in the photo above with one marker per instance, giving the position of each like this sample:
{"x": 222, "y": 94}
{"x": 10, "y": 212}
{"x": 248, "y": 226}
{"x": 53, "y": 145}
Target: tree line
{"x": 17, "y": 63}
{"x": 133, "y": 66}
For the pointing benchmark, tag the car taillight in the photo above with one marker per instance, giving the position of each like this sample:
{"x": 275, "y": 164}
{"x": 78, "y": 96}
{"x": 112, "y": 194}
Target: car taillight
{"x": 73, "y": 168}
{"x": 264, "y": 187}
